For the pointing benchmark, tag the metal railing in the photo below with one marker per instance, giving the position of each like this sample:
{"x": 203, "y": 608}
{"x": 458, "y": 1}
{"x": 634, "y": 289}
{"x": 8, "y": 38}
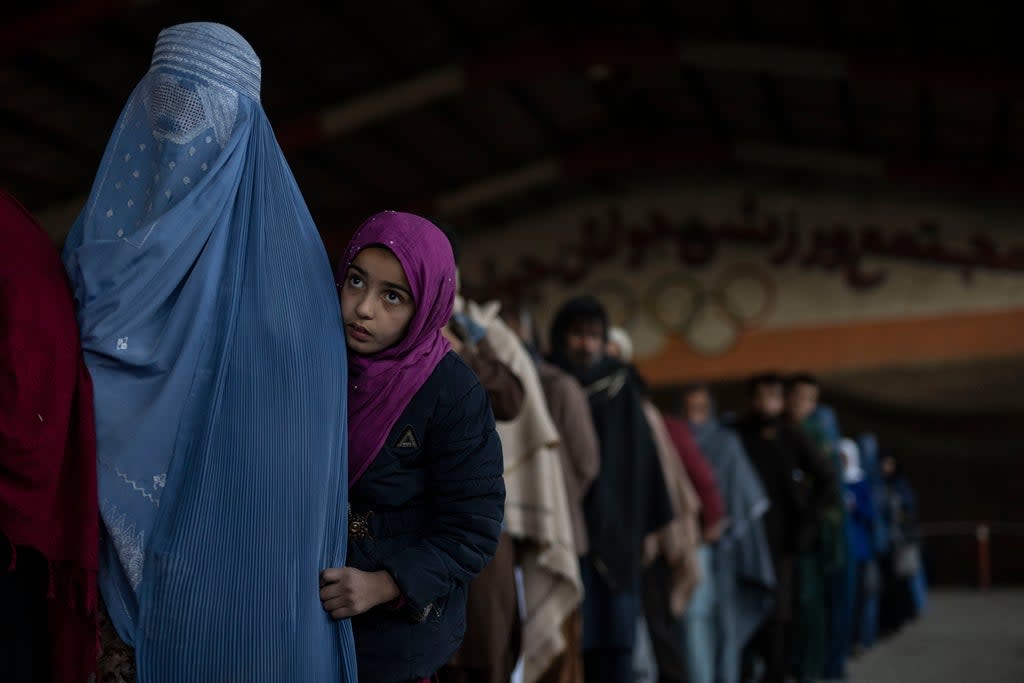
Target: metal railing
{"x": 982, "y": 533}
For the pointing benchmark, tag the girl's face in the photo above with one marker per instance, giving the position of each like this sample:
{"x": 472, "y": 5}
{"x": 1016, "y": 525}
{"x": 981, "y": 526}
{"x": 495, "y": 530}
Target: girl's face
{"x": 376, "y": 301}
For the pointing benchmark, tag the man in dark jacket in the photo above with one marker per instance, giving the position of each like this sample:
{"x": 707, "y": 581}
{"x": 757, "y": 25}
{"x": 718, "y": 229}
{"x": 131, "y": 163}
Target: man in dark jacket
{"x": 822, "y": 613}
{"x": 800, "y": 485}
{"x": 627, "y": 501}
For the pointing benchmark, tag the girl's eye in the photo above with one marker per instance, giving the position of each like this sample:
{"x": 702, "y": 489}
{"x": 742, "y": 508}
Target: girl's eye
{"x": 355, "y": 280}
{"x": 392, "y": 298}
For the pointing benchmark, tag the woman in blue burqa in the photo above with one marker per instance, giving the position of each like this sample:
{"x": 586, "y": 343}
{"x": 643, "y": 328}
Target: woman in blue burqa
{"x": 212, "y": 331}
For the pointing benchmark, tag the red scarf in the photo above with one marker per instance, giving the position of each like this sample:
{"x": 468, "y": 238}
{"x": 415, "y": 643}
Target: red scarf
{"x": 47, "y": 437}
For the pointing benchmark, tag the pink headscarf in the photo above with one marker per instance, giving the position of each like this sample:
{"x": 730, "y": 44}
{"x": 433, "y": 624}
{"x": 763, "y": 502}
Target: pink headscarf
{"x": 382, "y": 384}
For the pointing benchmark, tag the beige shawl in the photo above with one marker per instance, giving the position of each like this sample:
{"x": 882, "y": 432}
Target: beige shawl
{"x": 678, "y": 542}
{"x": 536, "y": 505}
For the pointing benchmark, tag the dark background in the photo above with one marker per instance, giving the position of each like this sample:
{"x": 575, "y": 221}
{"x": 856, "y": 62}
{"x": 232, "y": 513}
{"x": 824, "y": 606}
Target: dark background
{"x": 903, "y": 99}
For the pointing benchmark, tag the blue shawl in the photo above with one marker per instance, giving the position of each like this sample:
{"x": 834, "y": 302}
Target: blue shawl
{"x": 869, "y": 460}
{"x": 212, "y": 331}
{"x": 744, "y": 574}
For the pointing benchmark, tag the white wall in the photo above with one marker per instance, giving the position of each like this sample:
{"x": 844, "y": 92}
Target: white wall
{"x": 766, "y": 295}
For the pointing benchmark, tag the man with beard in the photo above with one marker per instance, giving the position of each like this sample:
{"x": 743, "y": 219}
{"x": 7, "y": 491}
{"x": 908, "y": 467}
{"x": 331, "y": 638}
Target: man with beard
{"x": 628, "y": 500}
{"x": 800, "y": 485}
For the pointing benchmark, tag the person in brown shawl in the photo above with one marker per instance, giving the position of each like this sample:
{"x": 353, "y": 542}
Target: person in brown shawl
{"x": 492, "y": 642}
{"x": 537, "y": 507}
{"x": 581, "y": 460}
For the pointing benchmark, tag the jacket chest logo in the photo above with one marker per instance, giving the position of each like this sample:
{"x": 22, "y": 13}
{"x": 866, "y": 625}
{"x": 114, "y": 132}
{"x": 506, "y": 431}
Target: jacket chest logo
{"x": 407, "y": 441}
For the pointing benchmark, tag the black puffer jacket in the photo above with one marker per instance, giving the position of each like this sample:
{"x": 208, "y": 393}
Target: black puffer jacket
{"x": 433, "y": 503}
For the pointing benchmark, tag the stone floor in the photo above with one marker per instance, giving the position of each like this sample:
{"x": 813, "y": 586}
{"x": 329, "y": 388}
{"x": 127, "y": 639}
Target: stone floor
{"x": 966, "y": 637}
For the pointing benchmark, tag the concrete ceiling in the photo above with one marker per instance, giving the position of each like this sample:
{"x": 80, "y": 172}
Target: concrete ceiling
{"x": 478, "y": 112}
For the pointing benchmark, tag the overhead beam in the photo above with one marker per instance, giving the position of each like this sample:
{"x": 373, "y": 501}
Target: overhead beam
{"x": 467, "y": 40}
{"x": 775, "y": 107}
{"x": 926, "y": 135}
{"x": 700, "y": 91}
{"x": 554, "y": 137}
{"x": 522, "y": 63}
{"x": 630, "y": 107}
{"x": 432, "y": 175}
{"x": 686, "y": 154}
{"x": 328, "y": 167}
{"x": 777, "y": 60}
{"x": 471, "y": 132}
{"x": 848, "y": 115}
{"x": 1002, "y": 126}
{"x": 666, "y": 154}
{"x": 490, "y": 190}
{"x": 359, "y": 112}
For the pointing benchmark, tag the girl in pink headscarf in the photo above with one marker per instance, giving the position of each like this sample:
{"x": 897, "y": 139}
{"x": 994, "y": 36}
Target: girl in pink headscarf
{"x": 425, "y": 463}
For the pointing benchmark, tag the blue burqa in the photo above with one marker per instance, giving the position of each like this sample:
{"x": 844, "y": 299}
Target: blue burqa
{"x": 869, "y": 460}
{"x": 212, "y": 331}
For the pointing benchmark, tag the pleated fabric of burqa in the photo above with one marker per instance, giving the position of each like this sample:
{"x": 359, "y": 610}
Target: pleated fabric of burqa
{"x": 212, "y": 330}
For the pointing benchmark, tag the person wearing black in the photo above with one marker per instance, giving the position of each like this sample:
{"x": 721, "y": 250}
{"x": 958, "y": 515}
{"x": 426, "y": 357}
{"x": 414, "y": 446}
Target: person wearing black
{"x": 800, "y": 486}
{"x": 628, "y": 500}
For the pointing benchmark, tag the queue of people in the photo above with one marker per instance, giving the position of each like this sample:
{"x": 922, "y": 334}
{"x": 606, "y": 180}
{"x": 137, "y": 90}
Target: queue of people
{"x": 750, "y": 549}
{"x": 224, "y": 459}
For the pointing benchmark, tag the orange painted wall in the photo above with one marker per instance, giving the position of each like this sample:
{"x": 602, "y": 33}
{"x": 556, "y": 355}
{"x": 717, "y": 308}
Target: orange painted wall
{"x": 845, "y": 347}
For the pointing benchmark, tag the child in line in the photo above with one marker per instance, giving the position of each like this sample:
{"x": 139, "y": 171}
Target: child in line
{"x": 425, "y": 463}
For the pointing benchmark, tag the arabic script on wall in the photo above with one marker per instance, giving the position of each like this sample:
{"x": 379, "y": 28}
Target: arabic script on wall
{"x": 784, "y": 238}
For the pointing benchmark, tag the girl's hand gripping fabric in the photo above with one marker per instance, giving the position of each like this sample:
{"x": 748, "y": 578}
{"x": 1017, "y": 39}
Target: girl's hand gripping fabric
{"x": 346, "y": 592}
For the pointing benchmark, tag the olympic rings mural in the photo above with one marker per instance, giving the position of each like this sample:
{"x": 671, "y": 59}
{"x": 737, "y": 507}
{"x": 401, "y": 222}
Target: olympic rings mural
{"x": 711, "y": 318}
{"x": 712, "y": 313}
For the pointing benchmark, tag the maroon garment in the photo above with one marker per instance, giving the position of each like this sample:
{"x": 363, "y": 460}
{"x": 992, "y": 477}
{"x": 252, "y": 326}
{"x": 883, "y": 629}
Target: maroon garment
{"x": 47, "y": 437}
{"x": 701, "y": 474}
